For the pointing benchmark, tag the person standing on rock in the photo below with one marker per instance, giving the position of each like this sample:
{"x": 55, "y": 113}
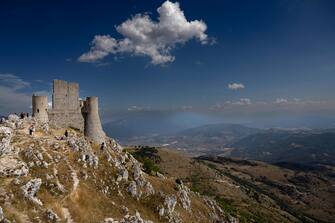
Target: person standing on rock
{"x": 102, "y": 146}
{"x": 66, "y": 134}
{"x": 31, "y": 130}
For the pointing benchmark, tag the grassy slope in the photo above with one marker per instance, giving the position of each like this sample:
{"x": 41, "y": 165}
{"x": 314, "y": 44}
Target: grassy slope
{"x": 242, "y": 202}
{"x": 307, "y": 195}
{"x": 255, "y": 191}
{"x": 87, "y": 203}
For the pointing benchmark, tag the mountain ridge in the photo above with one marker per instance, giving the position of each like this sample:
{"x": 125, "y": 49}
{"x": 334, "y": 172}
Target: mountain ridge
{"x": 297, "y": 147}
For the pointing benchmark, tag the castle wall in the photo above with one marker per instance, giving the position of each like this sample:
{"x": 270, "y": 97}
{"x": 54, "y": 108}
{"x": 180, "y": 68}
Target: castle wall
{"x": 60, "y": 119}
{"x": 59, "y": 96}
{"x": 93, "y": 129}
{"x": 40, "y": 108}
{"x": 66, "y": 110}
{"x": 73, "y": 96}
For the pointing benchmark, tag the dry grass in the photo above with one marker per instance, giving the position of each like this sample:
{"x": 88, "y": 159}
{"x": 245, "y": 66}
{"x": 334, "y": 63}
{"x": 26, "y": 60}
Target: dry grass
{"x": 204, "y": 179}
{"x": 90, "y": 206}
{"x": 88, "y": 203}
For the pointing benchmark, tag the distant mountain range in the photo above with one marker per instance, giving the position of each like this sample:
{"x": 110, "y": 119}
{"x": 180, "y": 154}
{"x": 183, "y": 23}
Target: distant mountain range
{"x": 299, "y": 146}
{"x": 234, "y": 140}
{"x": 229, "y": 132}
{"x": 148, "y": 124}
{"x": 136, "y": 124}
{"x": 207, "y": 139}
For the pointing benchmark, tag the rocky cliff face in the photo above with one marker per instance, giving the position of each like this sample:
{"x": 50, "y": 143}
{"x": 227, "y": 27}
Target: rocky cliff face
{"x": 47, "y": 177}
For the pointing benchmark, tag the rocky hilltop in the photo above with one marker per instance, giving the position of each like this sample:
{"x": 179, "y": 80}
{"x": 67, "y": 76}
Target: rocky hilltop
{"x": 47, "y": 177}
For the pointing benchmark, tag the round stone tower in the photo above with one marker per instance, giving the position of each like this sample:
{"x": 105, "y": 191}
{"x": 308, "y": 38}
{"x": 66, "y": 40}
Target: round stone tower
{"x": 40, "y": 108}
{"x": 93, "y": 129}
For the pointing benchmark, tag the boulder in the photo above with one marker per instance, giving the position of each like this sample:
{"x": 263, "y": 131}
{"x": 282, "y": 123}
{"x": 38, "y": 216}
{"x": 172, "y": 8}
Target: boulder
{"x": 10, "y": 165}
{"x": 137, "y": 171}
{"x": 5, "y": 138}
{"x": 1, "y": 215}
{"x": 132, "y": 189}
{"x": 52, "y": 216}
{"x": 30, "y": 190}
{"x": 183, "y": 195}
{"x": 170, "y": 203}
{"x": 123, "y": 175}
{"x": 148, "y": 188}
{"x": 128, "y": 219}
{"x": 13, "y": 118}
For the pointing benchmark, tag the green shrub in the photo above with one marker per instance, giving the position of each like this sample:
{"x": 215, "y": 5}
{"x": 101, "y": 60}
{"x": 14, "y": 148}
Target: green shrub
{"x": 149, "y": 166}
{"x": 148, "y": 156}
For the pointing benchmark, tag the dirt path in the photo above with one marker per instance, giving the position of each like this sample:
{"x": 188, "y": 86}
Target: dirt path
{"x": 72, "y": 194}
{"x": 67, "y": 215}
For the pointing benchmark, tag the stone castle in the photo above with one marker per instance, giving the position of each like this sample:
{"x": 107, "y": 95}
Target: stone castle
{"x": 68, "y": 111}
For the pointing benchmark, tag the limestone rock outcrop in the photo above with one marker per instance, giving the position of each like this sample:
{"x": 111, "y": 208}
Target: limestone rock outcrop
{"x": 183, "y": 196}
{"x": 52, "y": 216}
{"x": 1, "y": 215}
{"x": 30, "y": 189}
{"x": 10, "y": 164}
{"x": 5, "y": 137}
{"x": 128, "y": 219}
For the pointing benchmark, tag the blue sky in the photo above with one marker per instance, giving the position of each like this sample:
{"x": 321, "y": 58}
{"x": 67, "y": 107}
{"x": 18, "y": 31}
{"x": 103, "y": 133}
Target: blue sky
{"x": 280, "y": 54}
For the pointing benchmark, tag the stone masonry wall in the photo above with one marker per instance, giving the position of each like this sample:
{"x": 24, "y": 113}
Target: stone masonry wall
{"x": 66, "y": 110}
{"x": 64, "y": 120}
{"x": 73, "y": 97}
{"x": 59, "y": 96}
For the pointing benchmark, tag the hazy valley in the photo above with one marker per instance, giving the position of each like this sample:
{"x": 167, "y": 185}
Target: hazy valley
{"x": 308, "y": 146}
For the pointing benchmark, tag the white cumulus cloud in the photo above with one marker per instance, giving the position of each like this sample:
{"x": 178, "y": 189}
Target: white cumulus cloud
{"x": 143, "y": 36}
{"x": 281, "y": 101}
{"x": 242, "y": 101}
{"x": 236, "y": 86}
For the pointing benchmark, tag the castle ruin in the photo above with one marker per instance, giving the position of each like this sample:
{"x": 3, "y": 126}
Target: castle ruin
{"x": 68, "y": 111}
